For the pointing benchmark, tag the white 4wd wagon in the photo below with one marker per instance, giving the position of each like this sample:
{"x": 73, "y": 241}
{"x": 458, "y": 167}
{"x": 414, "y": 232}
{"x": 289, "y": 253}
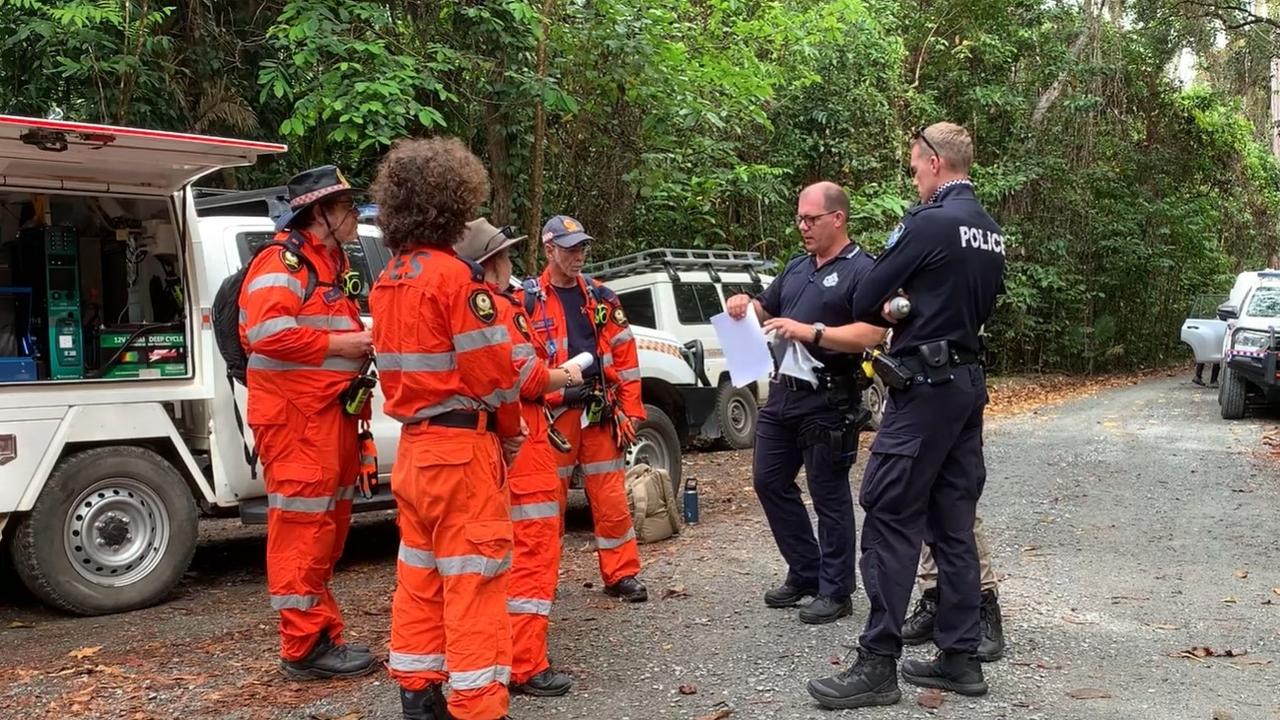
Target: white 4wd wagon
{"x": 677, "y": 291}
{"x": 1251, "y": 349}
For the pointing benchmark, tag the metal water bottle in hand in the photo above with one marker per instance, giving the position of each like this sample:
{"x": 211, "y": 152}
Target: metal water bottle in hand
{"x": 899, "y": 307}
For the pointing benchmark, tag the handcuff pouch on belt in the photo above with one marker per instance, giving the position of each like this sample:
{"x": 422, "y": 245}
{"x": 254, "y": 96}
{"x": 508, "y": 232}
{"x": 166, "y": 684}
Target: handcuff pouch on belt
{"x": 930, "y": 364}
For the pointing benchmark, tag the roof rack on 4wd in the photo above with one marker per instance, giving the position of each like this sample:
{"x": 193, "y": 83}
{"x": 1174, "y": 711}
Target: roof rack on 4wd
{"x": 671, "y": 260}
{"x": 269, "y": 202}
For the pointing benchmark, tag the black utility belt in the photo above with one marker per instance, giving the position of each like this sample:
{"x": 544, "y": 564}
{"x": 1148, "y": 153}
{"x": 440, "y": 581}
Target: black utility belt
{"x": 928, "y": 364}
{"x": 826, "y": 381}
{"x": 464, "y": 419}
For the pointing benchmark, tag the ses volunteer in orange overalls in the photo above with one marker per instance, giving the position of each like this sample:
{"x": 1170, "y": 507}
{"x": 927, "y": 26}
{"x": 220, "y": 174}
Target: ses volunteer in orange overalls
{"x": 444, "y": 358}
{"x": 305, "y": 343}
{"x": 537, "y": 496}
{"x": 572, "y": 314}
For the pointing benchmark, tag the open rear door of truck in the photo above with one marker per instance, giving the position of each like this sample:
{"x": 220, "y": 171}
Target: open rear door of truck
{"x": 60, "y": 155}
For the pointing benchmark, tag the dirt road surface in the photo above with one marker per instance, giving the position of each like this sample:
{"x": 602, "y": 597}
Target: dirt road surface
{"x": 1128, "y": 527}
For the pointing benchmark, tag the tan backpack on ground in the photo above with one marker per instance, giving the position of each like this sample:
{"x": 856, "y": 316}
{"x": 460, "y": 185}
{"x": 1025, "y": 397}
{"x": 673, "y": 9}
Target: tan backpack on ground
{"x": 655, "y": 509}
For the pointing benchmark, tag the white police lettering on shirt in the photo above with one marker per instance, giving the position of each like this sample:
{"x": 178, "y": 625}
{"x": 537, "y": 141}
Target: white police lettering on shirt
{"x": 980, "y": 239}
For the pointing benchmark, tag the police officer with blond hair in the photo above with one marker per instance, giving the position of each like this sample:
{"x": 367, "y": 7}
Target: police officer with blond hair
{"x": 926, "y": 471}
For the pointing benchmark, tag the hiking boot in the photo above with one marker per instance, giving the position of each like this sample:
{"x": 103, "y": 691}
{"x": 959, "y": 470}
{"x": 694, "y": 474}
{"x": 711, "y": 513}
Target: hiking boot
{"x": 786, "y": 595}
{"x": 957, "y": 672}
{"x": 426, "y": 704}
{"x": 630, "y": 589}
{"x": 918, "y": 629}
{"x": 547, "y": 683}
{"x": 991, "y": 646}
{"x": 825, "y": 610}
{"x": 355, "y": 647}
{"x": 327, "y": 660}
{"x": 871, "y": 680}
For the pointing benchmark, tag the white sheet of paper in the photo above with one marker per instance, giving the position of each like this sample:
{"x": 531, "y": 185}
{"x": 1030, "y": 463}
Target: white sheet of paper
{"x": 745, "y": 351}
{"x": 798, "y": 362}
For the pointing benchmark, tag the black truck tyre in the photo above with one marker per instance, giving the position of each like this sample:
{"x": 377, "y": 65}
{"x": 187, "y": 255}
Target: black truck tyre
{"x": 1231, "y": 395}
{"x": 737, "y": 413}
{"x": 114, "y": 529}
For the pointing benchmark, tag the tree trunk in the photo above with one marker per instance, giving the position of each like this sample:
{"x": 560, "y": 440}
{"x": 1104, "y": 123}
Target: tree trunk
{"x": 534, "y": 221}
{"x": 1086, "y": 33}
{"x": 499, "y": 167}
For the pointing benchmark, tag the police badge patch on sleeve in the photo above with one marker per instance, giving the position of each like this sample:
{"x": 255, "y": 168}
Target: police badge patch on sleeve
{"x": 619, "y": 317}
{"x": 481, "y": 304}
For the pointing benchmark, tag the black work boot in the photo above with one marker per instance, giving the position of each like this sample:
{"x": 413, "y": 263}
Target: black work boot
{"x": 957, "y": 672}
{"x": 630, "y": 589}
{"x": 871, "y": 680}
{"x": 918, "y": 628}
{"x": 327, "y": 660}
{"x": 786, "y": 595}
{"x": 991, "y": 646}
{"x": 426, "y": 704}
{"x": 355, "y": 647}
{"x": 547, "y": 683}
{"x": 825, "y": 610}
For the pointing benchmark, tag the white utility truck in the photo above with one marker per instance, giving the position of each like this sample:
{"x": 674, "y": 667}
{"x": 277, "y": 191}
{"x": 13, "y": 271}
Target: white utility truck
{"x": 118, "y": 426}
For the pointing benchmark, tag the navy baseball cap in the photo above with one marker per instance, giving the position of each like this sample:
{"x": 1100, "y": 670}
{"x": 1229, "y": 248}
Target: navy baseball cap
{"x": 565, "y": 232}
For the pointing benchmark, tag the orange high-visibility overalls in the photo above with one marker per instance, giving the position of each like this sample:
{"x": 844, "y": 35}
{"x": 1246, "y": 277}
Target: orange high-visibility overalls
{"x": 445, "y": 363}
{"x": 537, "y": 507}
{"x": 306, "y": 442}
{"x": 594, "y": 447}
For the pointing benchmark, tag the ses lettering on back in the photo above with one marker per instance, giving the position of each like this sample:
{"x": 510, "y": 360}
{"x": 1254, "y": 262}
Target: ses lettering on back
{"x": 980, "y": 239}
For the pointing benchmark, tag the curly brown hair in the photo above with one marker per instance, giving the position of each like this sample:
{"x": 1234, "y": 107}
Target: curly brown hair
{"x": 426, "y": 191}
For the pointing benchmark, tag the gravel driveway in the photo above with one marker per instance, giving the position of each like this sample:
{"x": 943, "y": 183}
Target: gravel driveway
{"x": 1127, "y": 527}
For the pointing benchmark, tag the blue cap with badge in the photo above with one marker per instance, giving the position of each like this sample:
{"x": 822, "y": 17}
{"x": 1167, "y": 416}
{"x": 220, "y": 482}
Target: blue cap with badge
{"x": 565, "y": 232}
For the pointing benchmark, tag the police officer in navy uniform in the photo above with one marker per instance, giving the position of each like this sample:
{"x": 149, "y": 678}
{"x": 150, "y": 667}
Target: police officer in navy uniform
{"x": 926, "y": 470}
{"x": 804, "y": 424}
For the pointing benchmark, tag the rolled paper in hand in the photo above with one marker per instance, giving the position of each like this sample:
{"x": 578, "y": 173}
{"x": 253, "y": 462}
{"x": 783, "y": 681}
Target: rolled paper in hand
{"x": 583, "y": 360}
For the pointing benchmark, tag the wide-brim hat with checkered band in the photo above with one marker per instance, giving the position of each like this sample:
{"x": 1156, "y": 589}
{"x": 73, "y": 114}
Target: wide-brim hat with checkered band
{"x": 481, "y": 240}
{"x": 310, "y": 187}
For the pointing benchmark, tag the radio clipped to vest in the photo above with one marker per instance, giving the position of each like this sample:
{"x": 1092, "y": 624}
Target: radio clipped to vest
{"x": 356, "y": 396}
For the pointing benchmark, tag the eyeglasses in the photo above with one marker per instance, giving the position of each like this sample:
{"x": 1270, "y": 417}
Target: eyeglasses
{"x": 510, "y": 232}
{"x": 809, "y": 220}
{"x": 919, "y": 135}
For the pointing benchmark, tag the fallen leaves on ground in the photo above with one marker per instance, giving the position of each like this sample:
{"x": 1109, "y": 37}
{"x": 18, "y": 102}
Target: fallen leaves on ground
{"x": 17, "y": 624}
{"x": 930, "y": 698}
{"x": 1256, "y": 660}
{"x": 1023, "y": 393}
{"x": 677, "y": 591}
{"x": 1231, "y": 599}
{"x": 719, "y": 714}
{"x": 353, "y": 715}
{"x": 1164, "y": 626}
{"x": 84, "y": 652}
{"x": 1222, "y": 715}
{"x": 688, "y": 689}
{"x": 1242, "y": 574}
{"x": 1089, "y": 694}
{"x": 1204, "y": 651}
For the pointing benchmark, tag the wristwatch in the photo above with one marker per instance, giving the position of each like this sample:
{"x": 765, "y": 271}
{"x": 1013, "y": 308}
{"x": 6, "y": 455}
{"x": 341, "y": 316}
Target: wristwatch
{"x": 818, "y": 329}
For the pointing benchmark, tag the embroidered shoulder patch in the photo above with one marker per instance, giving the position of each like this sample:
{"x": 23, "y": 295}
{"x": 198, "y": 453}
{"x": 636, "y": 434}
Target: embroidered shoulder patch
{"x": 290, "y": 259}
{"x": 619, "y": 317}
{"x": 522, "y": 324}
{"x": 481, "y": 304}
